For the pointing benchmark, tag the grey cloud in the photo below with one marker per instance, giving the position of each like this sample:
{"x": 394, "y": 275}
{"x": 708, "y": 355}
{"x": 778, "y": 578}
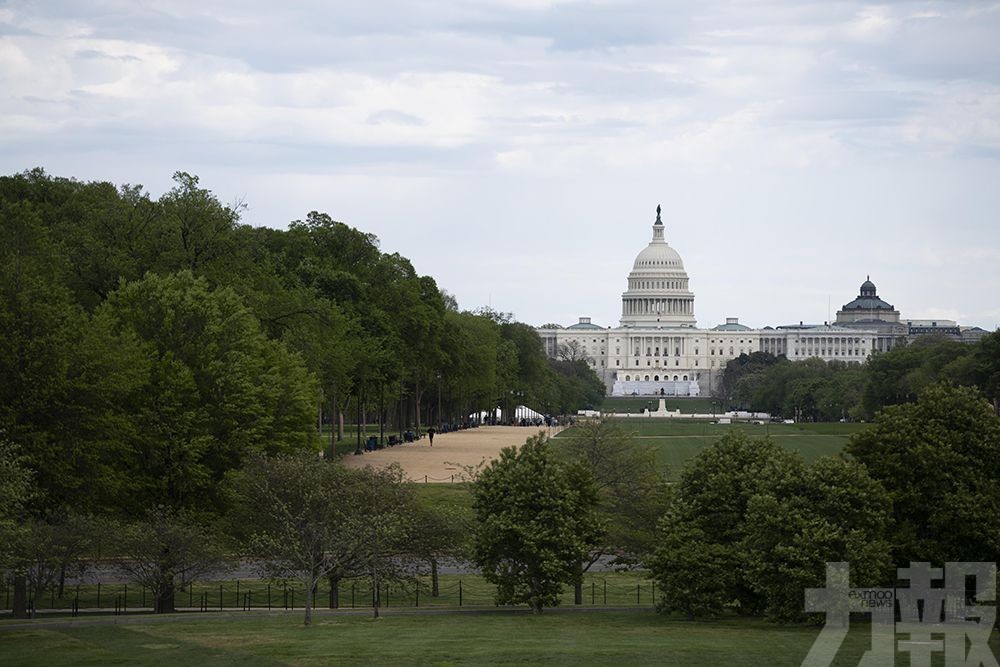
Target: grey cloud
{"x": 6, "y": 29}
{"x": 589, "y": 26}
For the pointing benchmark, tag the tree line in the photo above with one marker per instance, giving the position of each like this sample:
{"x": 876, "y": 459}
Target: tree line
{"x": 814, "y": 390}
{"x": 751, "y": 525}
{"x": 151, "y": 347}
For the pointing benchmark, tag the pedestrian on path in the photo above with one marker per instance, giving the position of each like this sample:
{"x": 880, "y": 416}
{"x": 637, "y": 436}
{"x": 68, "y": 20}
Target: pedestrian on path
{"x": 430, "y": 435}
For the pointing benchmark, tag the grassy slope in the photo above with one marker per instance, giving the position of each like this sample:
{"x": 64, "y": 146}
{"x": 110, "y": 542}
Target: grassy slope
{"x": 603, "y": 638}
{"x": 676, "y": 442}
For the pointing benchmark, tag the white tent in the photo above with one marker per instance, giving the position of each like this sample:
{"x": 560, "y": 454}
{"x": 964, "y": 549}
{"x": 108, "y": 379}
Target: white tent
{"x": 484, "y": 415}
{"x": 524, "y": 412}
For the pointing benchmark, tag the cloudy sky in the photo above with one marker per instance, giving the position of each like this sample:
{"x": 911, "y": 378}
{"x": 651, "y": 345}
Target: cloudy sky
{"x": 516, "y": 149}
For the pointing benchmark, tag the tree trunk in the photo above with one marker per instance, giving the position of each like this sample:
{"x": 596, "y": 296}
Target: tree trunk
{"x": 334, "y": 592}
{"x": 62, "y": 579}
{"x": 310, "y": 588}
{"x": 417, "y": 395}
{"x": 435, "y": 590}
{"x": 164, "y": 602}
{"x": 578, "y": 584}
{"x": 376, "y": 599}
{"x": 20, "y": 597}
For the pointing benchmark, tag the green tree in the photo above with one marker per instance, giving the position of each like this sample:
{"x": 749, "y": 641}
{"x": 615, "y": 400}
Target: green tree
{"x": 44, "y": 549}
{"x": 15, "y": 489}
{"x": 939, "y": 460}
{"x": 733, "y": 386}
{"x": 218, "y": 390}
{"x": 632, "y": 492}
{"x": 299, "y": 517}
{"x": 535, "y": 519}
{"x": 388, "y": 526}
{"x": 439, "y": 532}
{"x": 710, "y": 506}
{"x": 831, "y": 511}
{"x": 984, "y": 368}
{"x": 898, "y": 376}
{"x": 167, "y": 550}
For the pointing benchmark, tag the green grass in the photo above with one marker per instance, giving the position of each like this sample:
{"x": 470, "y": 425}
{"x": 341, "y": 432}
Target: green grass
{"x": 677, "y": 442}
{"x": 502, "y": 638}
{"x": 636, "y": 404}
{"x": 455, "y": 497}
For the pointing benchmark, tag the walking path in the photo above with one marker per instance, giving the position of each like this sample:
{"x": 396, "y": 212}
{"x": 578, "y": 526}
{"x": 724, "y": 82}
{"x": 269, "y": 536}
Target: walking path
{"x": 194, "y": 614}
{"x": 451, "y": 451}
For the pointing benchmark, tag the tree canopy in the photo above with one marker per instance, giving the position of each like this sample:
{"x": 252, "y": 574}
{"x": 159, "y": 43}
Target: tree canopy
{"x": 939, "y": 460}
{"x": 535, "y": 520}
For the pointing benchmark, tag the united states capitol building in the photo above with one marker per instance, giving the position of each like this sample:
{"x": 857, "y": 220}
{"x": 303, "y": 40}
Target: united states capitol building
{"x": 657, "y": 349}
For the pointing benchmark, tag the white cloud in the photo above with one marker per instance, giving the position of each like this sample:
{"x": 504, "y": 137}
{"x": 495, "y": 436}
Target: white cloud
{"x": 817, "y": 140}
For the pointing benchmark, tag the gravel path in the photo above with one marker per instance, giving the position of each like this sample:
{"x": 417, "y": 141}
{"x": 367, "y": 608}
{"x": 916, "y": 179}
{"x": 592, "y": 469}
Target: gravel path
{"x": 443, "y": 461}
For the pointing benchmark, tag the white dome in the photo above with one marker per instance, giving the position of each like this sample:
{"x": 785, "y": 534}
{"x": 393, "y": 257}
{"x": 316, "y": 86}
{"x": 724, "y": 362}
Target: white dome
{"x": 658, "y": 294}
{"x": 658, "y": 255}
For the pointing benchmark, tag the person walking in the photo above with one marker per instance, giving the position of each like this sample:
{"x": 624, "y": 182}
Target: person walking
{"x": 430, "y": 435}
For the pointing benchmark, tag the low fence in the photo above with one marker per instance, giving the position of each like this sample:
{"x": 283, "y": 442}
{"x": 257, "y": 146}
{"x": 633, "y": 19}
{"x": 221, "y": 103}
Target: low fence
{"x": 256, "y": 594}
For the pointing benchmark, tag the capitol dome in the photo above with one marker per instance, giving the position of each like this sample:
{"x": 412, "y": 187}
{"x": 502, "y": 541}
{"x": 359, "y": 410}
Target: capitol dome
{"x": 658, "y": 292}
{"x": 658, "y": 256}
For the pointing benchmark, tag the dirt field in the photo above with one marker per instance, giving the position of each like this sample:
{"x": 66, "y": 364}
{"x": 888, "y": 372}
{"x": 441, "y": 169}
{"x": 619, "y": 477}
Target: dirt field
{"x": 443, "y": 462}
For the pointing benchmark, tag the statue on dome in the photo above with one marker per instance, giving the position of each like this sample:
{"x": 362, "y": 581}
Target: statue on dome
{"x": 658, "y": 213}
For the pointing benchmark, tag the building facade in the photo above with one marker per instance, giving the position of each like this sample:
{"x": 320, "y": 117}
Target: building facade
{"x": 657, "y": 349}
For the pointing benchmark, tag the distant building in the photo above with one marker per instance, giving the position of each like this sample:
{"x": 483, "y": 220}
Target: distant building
{"x": 657, "y": 348}
{"x": 870, "y": 313}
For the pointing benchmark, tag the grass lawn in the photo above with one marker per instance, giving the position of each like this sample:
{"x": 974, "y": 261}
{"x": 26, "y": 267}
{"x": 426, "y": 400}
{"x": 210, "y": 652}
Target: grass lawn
{"x": 501, "y": 638}
{"x": 456, "y": 497}
{"x": 677, "y": 442}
